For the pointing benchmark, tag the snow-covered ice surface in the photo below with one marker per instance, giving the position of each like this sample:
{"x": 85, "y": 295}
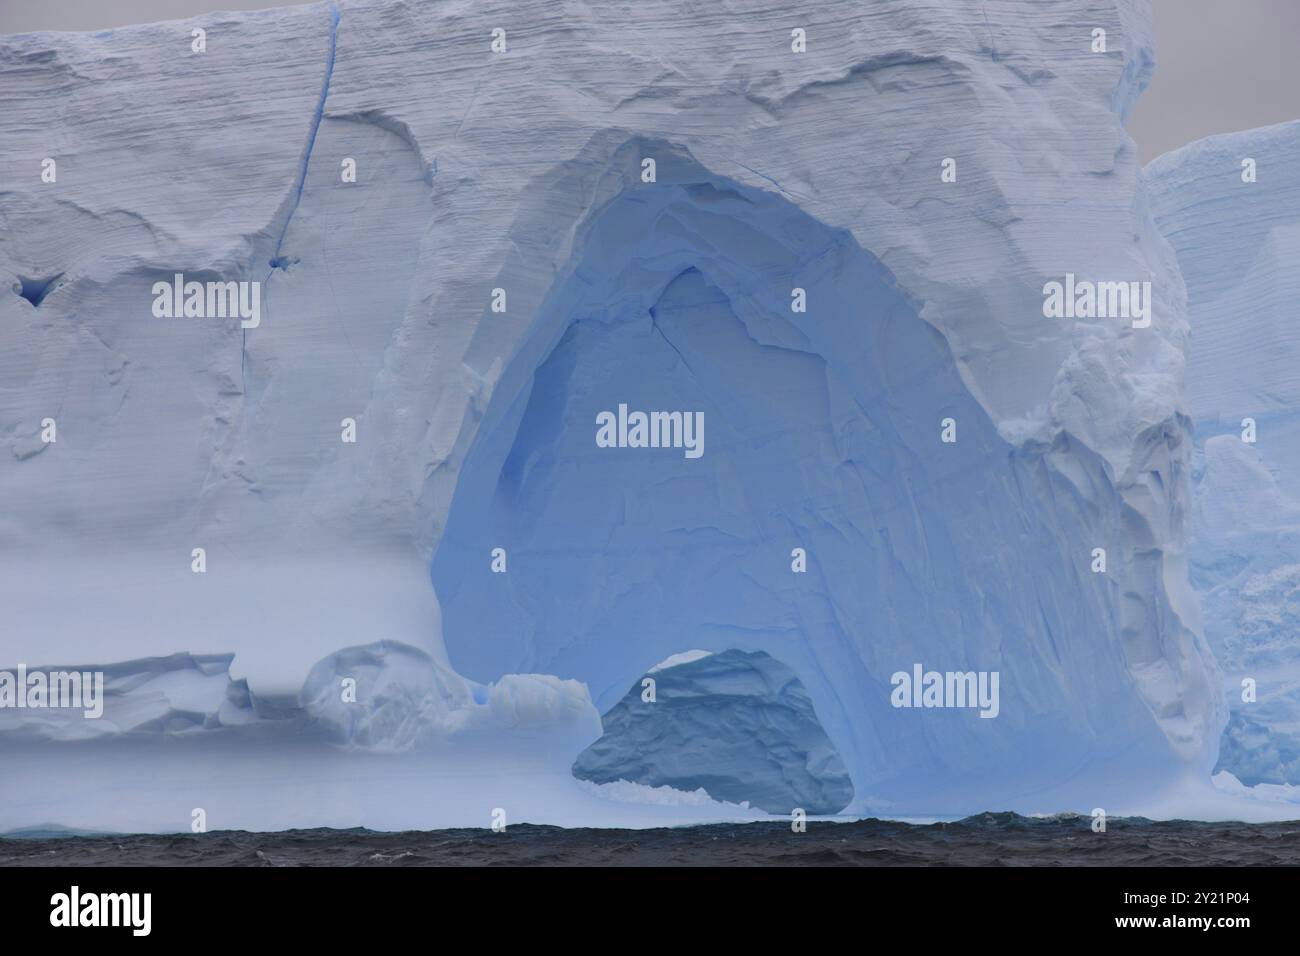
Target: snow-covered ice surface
{"x": 522, "y": 171}
{"x": 1238, "y": 244}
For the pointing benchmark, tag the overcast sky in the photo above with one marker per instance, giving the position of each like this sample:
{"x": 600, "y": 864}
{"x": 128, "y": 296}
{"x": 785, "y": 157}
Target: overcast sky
{"x": 1222, "y": 65}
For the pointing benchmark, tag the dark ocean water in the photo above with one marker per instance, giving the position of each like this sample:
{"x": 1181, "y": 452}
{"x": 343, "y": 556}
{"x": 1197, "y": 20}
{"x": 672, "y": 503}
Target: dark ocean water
{"x": 986, "y": 840}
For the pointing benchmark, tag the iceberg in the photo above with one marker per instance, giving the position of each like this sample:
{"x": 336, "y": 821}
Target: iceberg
{"x": 371, "y": 522}
{"x": 1230, "y": 207}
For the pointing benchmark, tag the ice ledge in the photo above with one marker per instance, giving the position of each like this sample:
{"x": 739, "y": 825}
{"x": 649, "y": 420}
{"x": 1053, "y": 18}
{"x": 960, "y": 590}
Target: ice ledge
{"x": 384, "y": 697}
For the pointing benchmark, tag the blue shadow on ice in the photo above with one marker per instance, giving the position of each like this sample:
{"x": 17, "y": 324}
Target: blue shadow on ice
{"x": 822, "y": 432}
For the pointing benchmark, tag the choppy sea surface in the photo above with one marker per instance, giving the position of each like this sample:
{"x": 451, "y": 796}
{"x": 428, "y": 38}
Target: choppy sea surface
{"x": 989, "y": 839}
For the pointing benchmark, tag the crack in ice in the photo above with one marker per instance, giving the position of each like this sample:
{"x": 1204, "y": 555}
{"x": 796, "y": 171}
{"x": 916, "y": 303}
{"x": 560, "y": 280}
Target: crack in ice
{"x": 276, "y": 260}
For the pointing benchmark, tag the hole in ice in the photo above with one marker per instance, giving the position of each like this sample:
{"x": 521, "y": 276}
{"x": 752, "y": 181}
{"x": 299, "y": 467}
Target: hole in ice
{"x": 34, "y": 288}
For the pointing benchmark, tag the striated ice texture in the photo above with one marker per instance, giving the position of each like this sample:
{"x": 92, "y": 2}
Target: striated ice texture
{"x": 523, "y": 171}
{"x": 1238, "y": 245}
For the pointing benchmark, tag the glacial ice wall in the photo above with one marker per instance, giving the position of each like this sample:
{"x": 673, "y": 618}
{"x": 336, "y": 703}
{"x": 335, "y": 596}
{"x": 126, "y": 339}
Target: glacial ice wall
{"x": 522, "y": 171}
{"x": 1230, "y": 207}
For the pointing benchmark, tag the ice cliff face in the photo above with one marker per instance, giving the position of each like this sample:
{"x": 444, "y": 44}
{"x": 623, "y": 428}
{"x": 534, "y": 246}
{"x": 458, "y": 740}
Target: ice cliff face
{"x": 1230, "y": 207}
{"x": 501, "y": 271}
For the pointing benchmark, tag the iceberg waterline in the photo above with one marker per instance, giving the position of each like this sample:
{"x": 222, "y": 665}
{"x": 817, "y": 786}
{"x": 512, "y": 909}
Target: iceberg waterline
{"x": 474, "y": 428}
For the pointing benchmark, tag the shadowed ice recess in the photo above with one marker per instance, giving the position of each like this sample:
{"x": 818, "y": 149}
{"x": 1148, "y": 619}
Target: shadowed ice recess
{"x": 822, "y": 433}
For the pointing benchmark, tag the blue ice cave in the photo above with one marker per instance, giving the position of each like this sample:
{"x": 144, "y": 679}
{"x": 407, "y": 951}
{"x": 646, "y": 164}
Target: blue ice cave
{"x": 823, "y": 439}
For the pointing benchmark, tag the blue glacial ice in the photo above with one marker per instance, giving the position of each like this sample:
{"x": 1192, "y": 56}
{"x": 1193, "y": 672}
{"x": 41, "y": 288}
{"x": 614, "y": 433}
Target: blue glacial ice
{"x": 823, "y": 433}
{"x": 738, "y": 725}
{"x": 500, "y": 273}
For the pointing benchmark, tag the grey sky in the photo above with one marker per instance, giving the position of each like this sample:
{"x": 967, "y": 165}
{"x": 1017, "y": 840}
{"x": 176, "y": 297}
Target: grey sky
{"x": 1222, "y": 65}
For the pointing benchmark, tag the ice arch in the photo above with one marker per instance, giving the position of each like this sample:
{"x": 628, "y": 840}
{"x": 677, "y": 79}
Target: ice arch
{"x": 822, "y": 433}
